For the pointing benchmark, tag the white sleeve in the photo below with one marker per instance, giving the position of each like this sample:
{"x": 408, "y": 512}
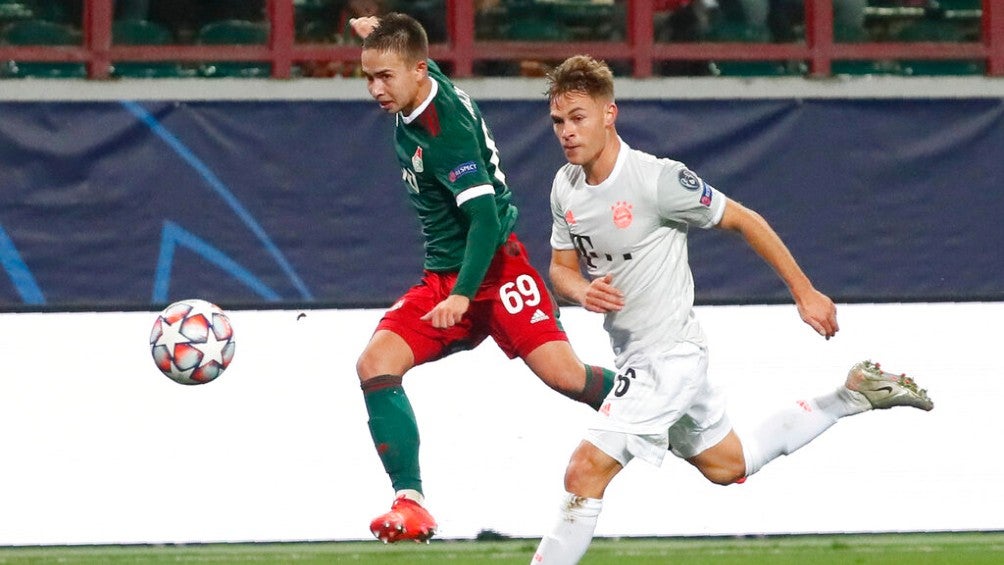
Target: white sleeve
{"x": 685, "y": 197}
{"x": 560, "y": 237}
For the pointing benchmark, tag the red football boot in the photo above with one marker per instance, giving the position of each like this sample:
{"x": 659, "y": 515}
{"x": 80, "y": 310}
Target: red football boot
{"x": 407, "y": 520}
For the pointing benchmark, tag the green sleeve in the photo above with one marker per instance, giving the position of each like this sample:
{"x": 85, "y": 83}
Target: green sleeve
{"x": 482, "y": 240}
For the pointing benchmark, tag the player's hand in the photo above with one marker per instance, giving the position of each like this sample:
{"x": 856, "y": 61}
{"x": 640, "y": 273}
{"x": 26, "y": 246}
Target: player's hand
{"x": 817, "y": 310}
{"x": 449, "y": 312}
{"x": 364, "y": 26}
{"x": 602, "y": 296}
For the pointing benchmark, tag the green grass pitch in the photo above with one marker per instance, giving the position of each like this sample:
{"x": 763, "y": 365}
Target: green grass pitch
{"x": 876, "y": 549}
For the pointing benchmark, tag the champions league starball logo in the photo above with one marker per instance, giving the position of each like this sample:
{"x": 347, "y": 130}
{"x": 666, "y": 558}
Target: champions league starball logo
{"x": 172, "y": 227}
{"x": 689, "y": 180}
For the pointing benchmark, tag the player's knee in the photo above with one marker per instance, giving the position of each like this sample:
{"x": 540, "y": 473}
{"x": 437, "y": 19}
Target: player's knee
{"x": 384, "y": 356}
{"x": 727, "y": 479}
{"x": 578, "y": 475}
{"x": 371, "y": 364}
{"x": 725, "y": 475}
{"x": 588, "y": 473}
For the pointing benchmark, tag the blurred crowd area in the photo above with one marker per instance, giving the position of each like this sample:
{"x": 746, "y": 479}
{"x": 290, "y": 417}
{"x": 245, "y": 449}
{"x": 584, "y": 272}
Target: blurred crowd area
{"x": 184, "y": 22}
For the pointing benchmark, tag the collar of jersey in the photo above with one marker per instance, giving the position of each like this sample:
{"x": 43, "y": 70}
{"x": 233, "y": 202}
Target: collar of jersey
{"x": 621, "y": 158}
{"x": 425, "y": 104}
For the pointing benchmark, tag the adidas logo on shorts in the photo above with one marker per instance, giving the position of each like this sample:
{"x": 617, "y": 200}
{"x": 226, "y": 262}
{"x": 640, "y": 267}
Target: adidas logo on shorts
{"x": 539, "y": 316}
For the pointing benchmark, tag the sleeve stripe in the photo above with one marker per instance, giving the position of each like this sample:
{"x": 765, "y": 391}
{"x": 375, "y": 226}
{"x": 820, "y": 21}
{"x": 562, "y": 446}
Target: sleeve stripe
{"x": 561, "y": 246}
{"x": 717, "y": 214}
{"x": 474, "y": 192}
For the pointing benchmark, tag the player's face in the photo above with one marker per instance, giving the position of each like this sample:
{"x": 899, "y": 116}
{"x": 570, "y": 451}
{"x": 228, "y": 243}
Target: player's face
{"x": 583, "y": 125}
{"x": 392, "y": 80}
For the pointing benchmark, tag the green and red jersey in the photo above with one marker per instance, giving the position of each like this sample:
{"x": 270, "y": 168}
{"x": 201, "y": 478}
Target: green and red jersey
{"x": 450, "y": 165}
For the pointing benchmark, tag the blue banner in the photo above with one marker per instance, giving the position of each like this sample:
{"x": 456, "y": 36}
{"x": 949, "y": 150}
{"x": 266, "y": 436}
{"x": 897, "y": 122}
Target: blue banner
{"x": 250, "y": 204}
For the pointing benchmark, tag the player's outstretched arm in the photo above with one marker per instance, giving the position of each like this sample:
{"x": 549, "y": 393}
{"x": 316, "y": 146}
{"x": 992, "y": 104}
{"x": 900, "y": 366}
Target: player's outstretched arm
{"x": 815, "y": 308}
{"x": 598, "y": 295}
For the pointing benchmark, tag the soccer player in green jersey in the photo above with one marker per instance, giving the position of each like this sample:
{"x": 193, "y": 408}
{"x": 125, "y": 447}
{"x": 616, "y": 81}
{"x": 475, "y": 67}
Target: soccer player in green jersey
{"x": 477, "y": 282}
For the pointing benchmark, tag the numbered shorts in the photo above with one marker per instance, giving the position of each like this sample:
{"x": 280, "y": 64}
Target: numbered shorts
{"x": 512, "y": 306}
{"x": 661, "y": 402}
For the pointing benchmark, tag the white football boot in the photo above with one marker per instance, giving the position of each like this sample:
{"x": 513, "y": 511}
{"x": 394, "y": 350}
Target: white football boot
{"x": 886, "y": 390}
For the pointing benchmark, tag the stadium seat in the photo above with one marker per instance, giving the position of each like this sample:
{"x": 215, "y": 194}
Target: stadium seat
{"x": 932, "y": 28}
{"x": 938, "y": 30}
{"x": 319, "y": 21}
{"x": 532, "y": 21}
{"x": 41, "y": 32}
{"x": 569, "y": 20}
{"x": 140, "y": 32}
{"x": 143, "y": 32}
{"x": 13, "y": 10}
{"x": 50, "y": 11}
{"x": 234, "y": 32}
{"x": 849, "y": 34}
{"x": 730, "y": 31}
{"x": 536, "y": 29}
{"x": 854, "y": 34}
{"x": 860, "y": 68}
{"x": 960, "y": 4}
{"x": 754, "y": 69}
{"x": 943, "y": 68}
{"x": 737, "y": 31}
{"x": 430, "y": 13}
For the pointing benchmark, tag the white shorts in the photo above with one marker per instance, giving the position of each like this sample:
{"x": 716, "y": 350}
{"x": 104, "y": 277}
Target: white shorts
{"x": 661, "y": 402}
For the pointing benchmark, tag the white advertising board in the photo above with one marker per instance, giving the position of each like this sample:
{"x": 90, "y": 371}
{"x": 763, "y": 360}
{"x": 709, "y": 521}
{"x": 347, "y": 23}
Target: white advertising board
{"x": 99, "y": 447}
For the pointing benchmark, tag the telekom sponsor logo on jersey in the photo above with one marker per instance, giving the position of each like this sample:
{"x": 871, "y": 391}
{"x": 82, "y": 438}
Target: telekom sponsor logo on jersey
{"x": 622, "y": 214}
{"x": 569, "y": 217}
{"x": 463, "y": 169}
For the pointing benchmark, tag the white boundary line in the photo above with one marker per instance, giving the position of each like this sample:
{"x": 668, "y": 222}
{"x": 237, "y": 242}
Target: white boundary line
{"x": 709, "y": 88}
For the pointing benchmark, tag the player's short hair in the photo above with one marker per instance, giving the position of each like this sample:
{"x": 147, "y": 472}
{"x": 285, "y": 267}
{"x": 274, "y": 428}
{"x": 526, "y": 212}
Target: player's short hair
{"x": 399, "y": 33}
{"x": 581, "y": 73}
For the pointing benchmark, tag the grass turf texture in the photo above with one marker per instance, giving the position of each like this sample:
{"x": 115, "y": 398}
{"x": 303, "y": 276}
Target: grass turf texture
{"x": 876, "y": 549}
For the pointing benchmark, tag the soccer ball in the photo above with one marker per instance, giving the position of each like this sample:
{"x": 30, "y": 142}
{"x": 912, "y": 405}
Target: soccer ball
{"x": 192, "y": 342}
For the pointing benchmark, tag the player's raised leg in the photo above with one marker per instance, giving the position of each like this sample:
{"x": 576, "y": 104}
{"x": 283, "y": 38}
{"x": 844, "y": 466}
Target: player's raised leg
{"x": 557, "y": 365}
{"x": 867, "y": 387}
{"x": 524, "y": 323}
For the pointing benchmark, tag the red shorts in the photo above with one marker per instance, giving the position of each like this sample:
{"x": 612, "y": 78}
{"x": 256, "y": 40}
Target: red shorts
{"x": 512, "y": 305}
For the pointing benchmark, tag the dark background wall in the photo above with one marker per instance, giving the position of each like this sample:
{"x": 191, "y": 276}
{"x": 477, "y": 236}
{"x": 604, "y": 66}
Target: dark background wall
{"x": 132, "y": 205}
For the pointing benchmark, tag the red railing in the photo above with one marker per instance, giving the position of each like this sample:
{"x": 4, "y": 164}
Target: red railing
{"x": 282, "y": 51}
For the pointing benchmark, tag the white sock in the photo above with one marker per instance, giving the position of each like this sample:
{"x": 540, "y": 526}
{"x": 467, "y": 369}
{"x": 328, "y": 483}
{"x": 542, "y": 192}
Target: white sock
{"x": 410, "y": 494}
{"x": 789, "y": 429}
{"x": 843, "y": 402}
{"x": 570, "y": 537}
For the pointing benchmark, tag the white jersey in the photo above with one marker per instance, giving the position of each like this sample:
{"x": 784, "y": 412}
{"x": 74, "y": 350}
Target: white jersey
{"x": 633, "y": 225}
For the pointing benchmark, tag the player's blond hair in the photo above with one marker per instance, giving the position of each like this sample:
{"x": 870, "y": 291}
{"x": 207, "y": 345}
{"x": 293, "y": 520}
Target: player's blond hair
{"x": 581, "y": 73}
{"x": 401, "y": 34}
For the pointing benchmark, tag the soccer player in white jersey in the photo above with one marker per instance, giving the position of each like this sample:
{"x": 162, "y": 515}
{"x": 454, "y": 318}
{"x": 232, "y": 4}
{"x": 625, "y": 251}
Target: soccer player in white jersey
{"x": 622, "y": 215}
